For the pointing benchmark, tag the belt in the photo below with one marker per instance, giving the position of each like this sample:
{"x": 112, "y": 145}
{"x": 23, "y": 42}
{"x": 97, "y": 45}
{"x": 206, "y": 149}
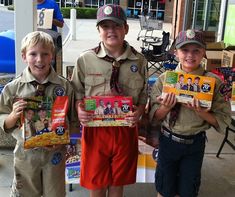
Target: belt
{"x": 167, "y": 133}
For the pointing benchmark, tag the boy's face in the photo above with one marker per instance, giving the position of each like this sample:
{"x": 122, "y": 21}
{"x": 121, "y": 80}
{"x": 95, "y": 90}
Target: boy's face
{"x": 190, "y": 56}
{"x": 29, "y": 114}
{"x": 112, "y": 34}
{"x": 39, "y": 59}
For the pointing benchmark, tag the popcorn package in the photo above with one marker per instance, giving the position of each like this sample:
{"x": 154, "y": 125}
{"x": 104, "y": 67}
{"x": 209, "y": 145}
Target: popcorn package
{"x": 188, "y": 86}
{"x": 44, "y": 121}
{"x": 108, "y": 110}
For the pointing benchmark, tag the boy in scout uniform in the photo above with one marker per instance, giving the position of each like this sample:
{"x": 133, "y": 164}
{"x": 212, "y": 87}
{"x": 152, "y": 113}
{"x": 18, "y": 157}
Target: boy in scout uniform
{"x": 39, "y": 171}
{"x": 112, "y": 68}
{"x": 182, "y": 139}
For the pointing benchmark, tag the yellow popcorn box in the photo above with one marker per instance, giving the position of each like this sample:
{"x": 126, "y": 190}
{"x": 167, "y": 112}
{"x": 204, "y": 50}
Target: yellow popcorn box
{"x": 188, "y": 86}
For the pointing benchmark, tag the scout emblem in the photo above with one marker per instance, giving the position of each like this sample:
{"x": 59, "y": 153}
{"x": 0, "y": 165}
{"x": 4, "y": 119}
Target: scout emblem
{"x": 56, "y": 159}
{"x": 134, "y": 68}
{"x": 108, "y": 10}
{"x": 190, "y": 34}
{"x": 59, "y": 91}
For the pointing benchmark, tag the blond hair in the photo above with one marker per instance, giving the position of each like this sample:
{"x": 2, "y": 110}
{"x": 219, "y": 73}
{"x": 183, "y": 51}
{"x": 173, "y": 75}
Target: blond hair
{"x": 37, "y": 37}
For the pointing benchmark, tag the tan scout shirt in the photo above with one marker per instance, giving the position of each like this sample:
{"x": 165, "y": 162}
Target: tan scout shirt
{"x": 92, "y": 75}
{"x": 21, "y": 88}
{"x": 188, "y": 122}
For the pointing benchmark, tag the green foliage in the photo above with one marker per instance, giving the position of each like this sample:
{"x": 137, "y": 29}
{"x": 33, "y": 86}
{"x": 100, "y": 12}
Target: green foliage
{"x": 81, "y": 12}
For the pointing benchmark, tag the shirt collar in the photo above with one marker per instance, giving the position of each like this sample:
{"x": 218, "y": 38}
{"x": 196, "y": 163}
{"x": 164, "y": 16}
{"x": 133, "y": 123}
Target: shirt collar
{"x": 128, "y": 53}
{"x": 199, "y": 71}
{"x": 27, "y": 77}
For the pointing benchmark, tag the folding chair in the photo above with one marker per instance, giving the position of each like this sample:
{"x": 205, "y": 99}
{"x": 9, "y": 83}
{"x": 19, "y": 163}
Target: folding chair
{"x": 157, "y": 54}
{"x": 228, "y": 129}
{"x": 148, "y": 25}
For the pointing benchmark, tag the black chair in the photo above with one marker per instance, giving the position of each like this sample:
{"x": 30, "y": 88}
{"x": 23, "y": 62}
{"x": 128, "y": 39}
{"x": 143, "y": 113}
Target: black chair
{"x": 158, "y": 55}
{"x": 228, "y": 129}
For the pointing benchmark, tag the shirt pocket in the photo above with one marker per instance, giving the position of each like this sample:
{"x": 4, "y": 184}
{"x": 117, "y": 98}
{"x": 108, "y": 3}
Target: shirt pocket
{"x": 95, "y": 85}
{"x": 133, "y": 87}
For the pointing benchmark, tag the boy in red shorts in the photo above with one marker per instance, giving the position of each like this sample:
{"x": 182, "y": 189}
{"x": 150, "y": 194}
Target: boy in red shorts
{"x": 109, "y": 154}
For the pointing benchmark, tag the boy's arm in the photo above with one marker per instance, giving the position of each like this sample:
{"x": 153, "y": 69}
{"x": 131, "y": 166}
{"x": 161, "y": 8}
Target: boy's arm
{"x": 11, "y": 120}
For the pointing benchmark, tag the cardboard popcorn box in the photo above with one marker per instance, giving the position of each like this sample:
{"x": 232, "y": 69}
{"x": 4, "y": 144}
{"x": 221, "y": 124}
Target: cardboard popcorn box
{"x": 233, "y": 97}
{"x": 43, "y": 121}
{"x": 188, "y": 86}
{"x": 73, "y": 160}
{"x": 108, "y": 110}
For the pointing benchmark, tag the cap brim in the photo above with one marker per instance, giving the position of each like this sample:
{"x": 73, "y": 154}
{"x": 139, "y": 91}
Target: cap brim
{"x": 116, "y": 20}
{"x": 189, "y": 42}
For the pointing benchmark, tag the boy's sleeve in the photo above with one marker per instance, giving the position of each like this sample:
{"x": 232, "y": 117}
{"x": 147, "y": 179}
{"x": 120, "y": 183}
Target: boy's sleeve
{"x": 221, "y": 108}
{"x": 155, "y": 92}
{"x": 77, "y": 80}
{"x": 5, "y": 108}
{"x": 72, "y": 113}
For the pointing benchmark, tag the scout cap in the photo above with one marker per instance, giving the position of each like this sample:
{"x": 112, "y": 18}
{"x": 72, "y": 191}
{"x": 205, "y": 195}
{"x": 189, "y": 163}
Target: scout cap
{"x": 111, "y": 12}
{"x": 190, "y": 36}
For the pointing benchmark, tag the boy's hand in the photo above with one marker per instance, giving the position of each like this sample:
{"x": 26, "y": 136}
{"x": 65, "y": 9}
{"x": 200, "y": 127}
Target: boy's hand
{"x": 195, "y": 105}
{"x": 18, "y": 108}
{"x": 168, "y": 100}
{"x": 134, "y": 117}
{"x": 83, "y": 115}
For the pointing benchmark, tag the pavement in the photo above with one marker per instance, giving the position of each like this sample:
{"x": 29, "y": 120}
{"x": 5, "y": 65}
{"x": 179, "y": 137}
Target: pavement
{"x": 218, "y": 174}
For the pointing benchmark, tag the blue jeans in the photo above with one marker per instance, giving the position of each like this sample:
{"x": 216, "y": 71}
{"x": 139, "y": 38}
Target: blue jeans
{"x": 179, "y": 166}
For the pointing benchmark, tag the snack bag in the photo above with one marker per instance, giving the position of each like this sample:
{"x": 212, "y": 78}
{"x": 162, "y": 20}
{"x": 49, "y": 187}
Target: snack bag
{"x": 44, "y": 121}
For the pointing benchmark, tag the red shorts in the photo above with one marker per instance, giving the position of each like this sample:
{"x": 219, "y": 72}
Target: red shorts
{"x": 109, "y": 156}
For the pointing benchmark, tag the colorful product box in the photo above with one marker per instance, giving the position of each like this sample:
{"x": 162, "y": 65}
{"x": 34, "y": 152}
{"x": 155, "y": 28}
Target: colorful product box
{"x": 108, "y": 110}
{"x": 188, "y": 86}
{"x": 233, "y": 97}
{"x": 44, "y": 121}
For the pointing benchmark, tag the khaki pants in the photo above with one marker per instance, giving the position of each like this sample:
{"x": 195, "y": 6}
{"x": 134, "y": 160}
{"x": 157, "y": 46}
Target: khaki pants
{"x": 39, "y": 172}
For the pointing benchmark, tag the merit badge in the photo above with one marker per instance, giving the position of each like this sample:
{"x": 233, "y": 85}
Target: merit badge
{"x": 108, "y": 10}
{"x": 134, "y": 68}
{"x": 56, "y": 159}
{"x": 190, "y": 34}
{"x": 59, "y": 91}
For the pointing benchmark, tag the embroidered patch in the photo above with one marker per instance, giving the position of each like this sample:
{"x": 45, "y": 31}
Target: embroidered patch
{"x": 134, "y": 68}
{"x": 190, "y": 34}
{"x": 223, "y": 89}
{"x": 108, "y": 10}
{"x": 56, "y": 159}
{"x": 59, "y": 91}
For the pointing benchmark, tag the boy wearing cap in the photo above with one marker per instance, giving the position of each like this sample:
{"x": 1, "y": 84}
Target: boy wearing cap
{"x": 182, "y": 139}
{"x": 112, "y": 68}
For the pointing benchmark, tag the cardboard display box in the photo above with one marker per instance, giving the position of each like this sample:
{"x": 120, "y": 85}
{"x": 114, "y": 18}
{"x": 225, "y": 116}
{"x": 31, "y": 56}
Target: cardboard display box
{"x": 187, "y": 86}
{"x": 213, "y": 60}
{"x": 108, "y": 110}
{"x": 228, "y": 58}
{"x": 233, "y": 97}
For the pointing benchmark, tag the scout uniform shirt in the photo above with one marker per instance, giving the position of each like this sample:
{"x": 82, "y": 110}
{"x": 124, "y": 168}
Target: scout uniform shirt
{"x": 188, "y": 122}
{"x": 92, "y": 74}
{"x": 22, "y": 88}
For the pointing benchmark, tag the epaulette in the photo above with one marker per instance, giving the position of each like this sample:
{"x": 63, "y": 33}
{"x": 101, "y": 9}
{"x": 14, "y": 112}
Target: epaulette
{"x": 133, "y": 50}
